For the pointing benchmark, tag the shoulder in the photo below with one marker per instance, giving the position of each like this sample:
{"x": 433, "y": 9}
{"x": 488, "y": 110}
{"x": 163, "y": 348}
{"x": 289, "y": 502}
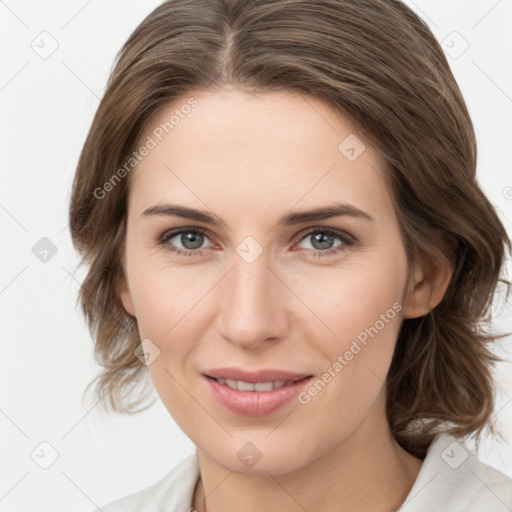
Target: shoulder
{"x": 452, "y": 479}
{"x": 172, "y": 492}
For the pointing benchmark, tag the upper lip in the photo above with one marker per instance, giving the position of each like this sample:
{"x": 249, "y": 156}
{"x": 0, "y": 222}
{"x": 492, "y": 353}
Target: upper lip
{"x": 264, "y": 375}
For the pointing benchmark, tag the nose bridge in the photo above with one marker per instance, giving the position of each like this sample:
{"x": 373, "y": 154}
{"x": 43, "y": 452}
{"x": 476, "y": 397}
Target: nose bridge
{"x": 250, "y": 275}
{"x": 251, "y": 280}
{"x": 251, "y": 309}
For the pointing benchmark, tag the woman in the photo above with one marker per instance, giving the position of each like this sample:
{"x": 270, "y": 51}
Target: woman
{"x": 278, "y": 204}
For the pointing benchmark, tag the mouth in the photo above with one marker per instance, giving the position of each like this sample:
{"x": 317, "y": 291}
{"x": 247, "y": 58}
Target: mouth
{"x": 241, "y": 385}
{"x": 257, "y": 396}
{"x": 264, "y": 375}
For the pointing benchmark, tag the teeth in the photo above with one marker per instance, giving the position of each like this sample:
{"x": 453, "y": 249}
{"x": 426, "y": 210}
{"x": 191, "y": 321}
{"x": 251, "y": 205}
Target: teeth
{"x": 250, "y": 386}
{"x": 261, "y": 386}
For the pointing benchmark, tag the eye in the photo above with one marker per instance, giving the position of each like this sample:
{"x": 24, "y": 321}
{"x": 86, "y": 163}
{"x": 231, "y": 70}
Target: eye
{"x": 322, "y": 240}
{"x": 190, "y": 239}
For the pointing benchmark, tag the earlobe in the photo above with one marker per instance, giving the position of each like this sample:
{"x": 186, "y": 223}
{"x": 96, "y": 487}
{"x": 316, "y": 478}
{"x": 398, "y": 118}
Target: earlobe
{"x": 126, "y": 298}
{"x": 428, "y": 284}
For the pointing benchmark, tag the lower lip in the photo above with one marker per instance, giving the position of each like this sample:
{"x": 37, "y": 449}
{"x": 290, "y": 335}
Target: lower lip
{"x": 255, "y": 403}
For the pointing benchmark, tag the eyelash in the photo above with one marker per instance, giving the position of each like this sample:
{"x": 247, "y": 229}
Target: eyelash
{"x": 347, "y": 240}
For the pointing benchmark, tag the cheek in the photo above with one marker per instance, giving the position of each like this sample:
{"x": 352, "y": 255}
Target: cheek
{"x": 364, "y": 291}
{"x": 361, "y": 305}
{"x": 170, "y": 306}
{"x": 167, "y": 307}
{"x": 164, "y": 295}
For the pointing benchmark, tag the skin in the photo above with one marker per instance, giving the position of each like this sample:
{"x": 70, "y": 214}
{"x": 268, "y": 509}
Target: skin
{"x": 249, "y": 159}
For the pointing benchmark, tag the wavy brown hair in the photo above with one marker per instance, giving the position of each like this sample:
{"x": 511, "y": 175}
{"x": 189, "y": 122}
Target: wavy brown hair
{"x": 374, "y": 61}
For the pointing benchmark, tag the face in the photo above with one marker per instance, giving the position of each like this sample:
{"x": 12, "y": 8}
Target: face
{"x": 253, "y": 283}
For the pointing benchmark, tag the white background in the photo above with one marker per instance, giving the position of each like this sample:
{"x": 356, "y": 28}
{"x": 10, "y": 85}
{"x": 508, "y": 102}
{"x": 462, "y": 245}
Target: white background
{"x": 46, "y": 107}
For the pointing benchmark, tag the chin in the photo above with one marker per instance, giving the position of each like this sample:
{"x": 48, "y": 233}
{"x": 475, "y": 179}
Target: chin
{"x": 261, "y": 457}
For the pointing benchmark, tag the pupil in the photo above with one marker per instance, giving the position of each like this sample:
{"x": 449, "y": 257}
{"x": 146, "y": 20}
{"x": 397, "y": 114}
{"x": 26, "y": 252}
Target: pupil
{"x": 321, "y": 239}
{"x": 191, "y": 240}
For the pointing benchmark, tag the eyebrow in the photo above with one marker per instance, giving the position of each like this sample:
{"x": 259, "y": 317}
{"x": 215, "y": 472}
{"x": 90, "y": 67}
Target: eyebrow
{"x": 289, "y": 219}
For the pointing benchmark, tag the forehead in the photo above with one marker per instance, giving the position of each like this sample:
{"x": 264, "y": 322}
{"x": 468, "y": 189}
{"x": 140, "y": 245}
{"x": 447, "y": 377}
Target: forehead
{"x": 258, "y": 150}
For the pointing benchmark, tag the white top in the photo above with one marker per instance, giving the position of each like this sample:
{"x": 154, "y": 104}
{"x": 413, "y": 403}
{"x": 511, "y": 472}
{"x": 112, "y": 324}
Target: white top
{"x": 451, "y": 479}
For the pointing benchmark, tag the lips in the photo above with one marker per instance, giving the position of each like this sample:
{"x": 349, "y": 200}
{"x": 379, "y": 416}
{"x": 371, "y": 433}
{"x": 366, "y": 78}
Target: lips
{"x": 255, "y": 402}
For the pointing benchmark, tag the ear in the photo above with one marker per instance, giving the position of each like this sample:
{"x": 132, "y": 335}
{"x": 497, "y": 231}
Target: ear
{"x": 124, "y": 294}
{"x": 428, "y": 282}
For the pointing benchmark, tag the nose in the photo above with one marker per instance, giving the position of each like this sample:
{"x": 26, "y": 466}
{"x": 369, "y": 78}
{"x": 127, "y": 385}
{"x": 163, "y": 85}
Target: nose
{"x": 254, "y": 304}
